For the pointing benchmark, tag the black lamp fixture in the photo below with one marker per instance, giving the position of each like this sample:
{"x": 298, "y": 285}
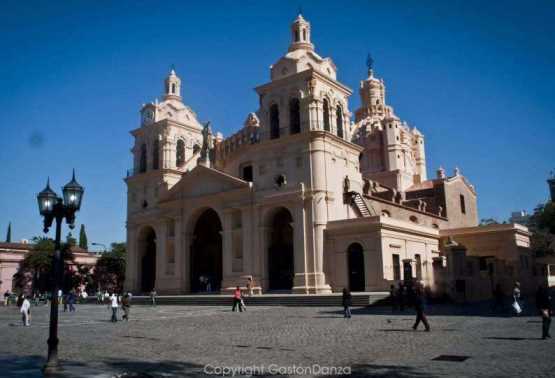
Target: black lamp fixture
{"x": 52, "y": 207}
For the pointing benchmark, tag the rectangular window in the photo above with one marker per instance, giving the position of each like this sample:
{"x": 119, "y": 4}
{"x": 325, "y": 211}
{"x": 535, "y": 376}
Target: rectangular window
{"x": 396, "y": 267}
{"x": 463, "y": 205}
{"x": 246, "y": 173}
{"x": 418, "y": 266}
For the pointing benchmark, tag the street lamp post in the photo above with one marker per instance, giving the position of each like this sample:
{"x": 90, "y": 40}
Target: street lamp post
{"x": 52, "y": 207}
{"x": 100, "y": 245}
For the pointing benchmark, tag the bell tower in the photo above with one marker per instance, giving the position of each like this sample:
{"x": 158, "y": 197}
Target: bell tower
{"x": 300, "y": 35}
{"x": 172, "y": 87}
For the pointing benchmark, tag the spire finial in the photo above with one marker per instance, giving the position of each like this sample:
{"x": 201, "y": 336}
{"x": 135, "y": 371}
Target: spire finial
{"x": 370, "y": 64}
{"x": 48, "y": 182}
{"x": 73, "y": 175}
{"x": 300, "y": 11}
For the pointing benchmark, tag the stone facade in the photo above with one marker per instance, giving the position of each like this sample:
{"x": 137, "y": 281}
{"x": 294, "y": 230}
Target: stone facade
{"x": 304, "y": 197}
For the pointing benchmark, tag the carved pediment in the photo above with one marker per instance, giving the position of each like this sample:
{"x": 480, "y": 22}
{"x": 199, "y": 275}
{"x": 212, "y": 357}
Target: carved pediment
{"x": 203, "y": 181}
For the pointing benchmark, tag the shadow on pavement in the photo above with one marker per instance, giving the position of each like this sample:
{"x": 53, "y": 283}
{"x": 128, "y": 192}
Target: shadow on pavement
{"x": 389, "y": 371}
{"x": 476, "y": 309}
{"x": 511, "y": 338}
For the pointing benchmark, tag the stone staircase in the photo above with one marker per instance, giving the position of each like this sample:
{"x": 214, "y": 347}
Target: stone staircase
{"x": 301, "y": 300}
{"x": 358, "y": 201}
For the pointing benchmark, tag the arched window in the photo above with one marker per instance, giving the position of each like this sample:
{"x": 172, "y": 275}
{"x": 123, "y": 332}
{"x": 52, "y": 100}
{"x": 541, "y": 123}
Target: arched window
{"x": 326, "y": 107}
{"x": 155, "y": 154}
{"x": 339, "y": 120}
{"x": 173, "y": 88}
{"x": 142, "y": 159}
{"x": 304, "y": 34}
{"x": 180, "y": 153}
{"x": 297, "y": 37}
{"x": 294, "y": 116}
{"x": 274, "y": 121}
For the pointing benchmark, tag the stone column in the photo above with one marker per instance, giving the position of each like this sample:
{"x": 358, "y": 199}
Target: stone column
{"x": 131, "y": 266}
{"x": 178, "y": 251}
{"x": 227, "y": 251}
{"x": 160, "y": 256}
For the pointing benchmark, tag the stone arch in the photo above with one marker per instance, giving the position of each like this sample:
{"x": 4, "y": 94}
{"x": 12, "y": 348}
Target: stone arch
{"x": 326, "y": 114}
{"x": 356, "y": 267}
{"x": 206, "y": 264}
{"x": 180, "y": 152}
{"x": 280, "y": 248}
{"x": 274, "y": 120}
{"x": 146, "y": 243}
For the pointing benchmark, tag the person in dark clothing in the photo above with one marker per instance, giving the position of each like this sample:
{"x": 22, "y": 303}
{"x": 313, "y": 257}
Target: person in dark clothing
{"x": 543, "y": 302}
{"x": 418, "y": 303}
{"x": 498, "y": 298}
{"x": 64, "y": 299}
{"x": 126, "y": 306}
{"x": 71, "y": 301}
{"x": 393, "y": 298}
{"x": 401, "y": 296}
{"x": 347, "y": 303}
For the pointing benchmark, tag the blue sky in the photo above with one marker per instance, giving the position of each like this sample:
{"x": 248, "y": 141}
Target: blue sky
{"x": 476, "y": 77}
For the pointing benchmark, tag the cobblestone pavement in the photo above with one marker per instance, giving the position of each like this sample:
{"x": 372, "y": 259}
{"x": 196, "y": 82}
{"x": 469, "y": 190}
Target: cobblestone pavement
{"x": 176, "y": 341}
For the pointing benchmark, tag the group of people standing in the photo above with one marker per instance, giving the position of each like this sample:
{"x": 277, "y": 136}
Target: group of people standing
{"x": 114, "y": 303}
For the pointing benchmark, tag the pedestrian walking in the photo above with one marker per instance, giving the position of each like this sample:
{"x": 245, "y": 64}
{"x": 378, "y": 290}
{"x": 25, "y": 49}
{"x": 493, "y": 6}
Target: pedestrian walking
{"x": 114, "y": 306}
{"x": 25, "y": 310}
{"x": 418, "y": 303}
{"x": 516, "y": 299}
{"x": 237, "y": 300}
{"x": 64, "y": 300}
{"x": 71, "y": 301}
{"x": 543, "y": 302}
{"x": 126, "y": 306}
{"x": 153, "y": 297}
{"x": 347, "y": 303}
{"x": 393, "y": 297}
{"x": 7, "y": 298}
{"x": 401, "y": 296}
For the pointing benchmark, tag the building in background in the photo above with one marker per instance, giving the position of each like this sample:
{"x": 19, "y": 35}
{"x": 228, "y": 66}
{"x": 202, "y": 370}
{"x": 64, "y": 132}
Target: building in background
{"x": 305, "y": 197}
{"x": 11, "y": 255}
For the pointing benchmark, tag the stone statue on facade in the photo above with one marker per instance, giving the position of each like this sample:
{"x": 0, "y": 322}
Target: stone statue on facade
{"x": 207, "y": 145}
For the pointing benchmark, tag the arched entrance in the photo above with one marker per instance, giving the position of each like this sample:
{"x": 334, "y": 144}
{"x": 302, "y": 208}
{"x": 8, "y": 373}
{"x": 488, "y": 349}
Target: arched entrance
{"x": 280, "y": 251}
{"x": 206, "y": 253}
{"x": 355, "y": 256}
{"x": 147, "y": 259}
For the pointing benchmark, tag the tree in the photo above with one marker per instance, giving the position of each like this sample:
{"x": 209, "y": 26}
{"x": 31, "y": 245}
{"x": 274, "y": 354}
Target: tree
{"x": 9, "y": 234}
{"x": 488, "y": 221}
{"x": 35, "y": 271}
{"x": 70, "y": 239}
{"x": 542, "y": 227}
{"x": 83, "y": 242}
{"x": 109, "y": 272}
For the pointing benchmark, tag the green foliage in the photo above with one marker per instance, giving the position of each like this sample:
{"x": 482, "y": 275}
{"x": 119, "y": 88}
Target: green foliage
{"x": 542, "y": 226}
{"x": 488, "y": 221}
{"x": 83, "y": 242}
{"x": 35, "y": 271}
{"x": 70, "y": 239}
{"x": 109, "y": 273}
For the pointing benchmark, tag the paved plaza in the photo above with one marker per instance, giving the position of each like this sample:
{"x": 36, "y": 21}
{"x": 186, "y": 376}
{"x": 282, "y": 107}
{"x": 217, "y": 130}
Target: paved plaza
{"x": 173, "y": 341}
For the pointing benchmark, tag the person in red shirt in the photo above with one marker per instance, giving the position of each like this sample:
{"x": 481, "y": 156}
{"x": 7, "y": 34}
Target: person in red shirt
{"x": 237, "y": 299}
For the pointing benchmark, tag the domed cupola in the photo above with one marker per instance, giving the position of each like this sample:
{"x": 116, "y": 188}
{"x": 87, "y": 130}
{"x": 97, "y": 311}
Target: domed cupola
{"x": 300, "y": 35}
{"x": 172, "y": 87}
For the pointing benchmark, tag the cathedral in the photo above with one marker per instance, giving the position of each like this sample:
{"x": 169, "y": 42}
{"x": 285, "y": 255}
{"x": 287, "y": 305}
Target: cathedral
{"x": 306, "y": 197}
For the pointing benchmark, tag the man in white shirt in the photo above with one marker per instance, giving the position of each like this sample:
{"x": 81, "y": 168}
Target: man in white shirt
{"x": 26, "y": 312}
{"x": 114, "y": 305}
